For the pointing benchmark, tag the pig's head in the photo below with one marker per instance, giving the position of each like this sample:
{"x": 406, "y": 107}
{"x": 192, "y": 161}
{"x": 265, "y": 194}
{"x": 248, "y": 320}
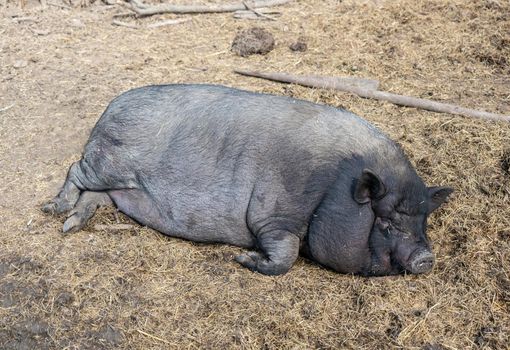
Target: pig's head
{"x": 398, "y": 241}
{"x": 376, "y": 225}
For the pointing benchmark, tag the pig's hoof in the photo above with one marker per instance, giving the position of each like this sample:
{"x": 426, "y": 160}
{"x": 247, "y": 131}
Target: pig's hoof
{"x": 49, "y": 207}
{"x": 56, "y": 207}
{"x": 74, "y": 222}
{"x": 258, "y": 262}
{"x": 249, "y": 260}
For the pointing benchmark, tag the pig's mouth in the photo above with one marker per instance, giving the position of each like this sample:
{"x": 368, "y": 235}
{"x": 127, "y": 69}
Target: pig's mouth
{"x": 420, "y": 261}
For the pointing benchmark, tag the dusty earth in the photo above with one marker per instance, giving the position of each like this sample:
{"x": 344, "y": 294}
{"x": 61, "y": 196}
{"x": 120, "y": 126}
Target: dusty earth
{"x": 137, "y": 289}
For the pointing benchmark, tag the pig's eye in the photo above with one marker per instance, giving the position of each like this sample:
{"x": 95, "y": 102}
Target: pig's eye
{"x": 384, "y": 224}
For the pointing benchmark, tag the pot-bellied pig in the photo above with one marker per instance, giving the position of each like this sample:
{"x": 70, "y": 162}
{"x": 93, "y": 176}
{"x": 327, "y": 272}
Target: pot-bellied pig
{"x": 213, "y": 164}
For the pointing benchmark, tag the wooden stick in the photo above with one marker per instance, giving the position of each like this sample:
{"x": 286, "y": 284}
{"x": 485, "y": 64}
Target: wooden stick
{"x": 258, "y": 13}
{"x": 367, "y": 92}
{"x": 59, "y": 5}
{"x": 168, "y": 22}
{"x": 336, "y": 83}
{"x": 245, "y": 14}
{"x": 8, "y": 107}
{"x": 123, "y": 14}
{"x": 114, "y": 227}
{"x": 124, "y": 24}
{"x": 25, "y": 19}
{"x": 150, "y": 26}
{"x": 144, "y": 10}
{"x": 152, "y": 336}
{"x": 138, "y": 4}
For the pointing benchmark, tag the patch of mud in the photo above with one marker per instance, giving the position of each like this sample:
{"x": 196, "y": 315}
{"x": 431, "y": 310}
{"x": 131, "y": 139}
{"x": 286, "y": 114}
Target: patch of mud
{"x": 299, "y": 45}
{"x": 252, "y": 41}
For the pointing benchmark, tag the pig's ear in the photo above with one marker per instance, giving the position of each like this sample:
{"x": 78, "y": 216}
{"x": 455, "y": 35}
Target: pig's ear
{"x": 438, "y": 195}
{"x": 368, "y": 187}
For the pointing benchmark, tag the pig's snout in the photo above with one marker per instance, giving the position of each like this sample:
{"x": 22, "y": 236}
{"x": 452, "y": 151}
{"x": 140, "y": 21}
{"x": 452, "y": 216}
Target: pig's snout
{"x": 421, "y": 261}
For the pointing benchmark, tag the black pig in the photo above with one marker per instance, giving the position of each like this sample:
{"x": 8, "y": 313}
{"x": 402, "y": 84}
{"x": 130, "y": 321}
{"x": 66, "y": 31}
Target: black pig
{"x": 214, "y": 164}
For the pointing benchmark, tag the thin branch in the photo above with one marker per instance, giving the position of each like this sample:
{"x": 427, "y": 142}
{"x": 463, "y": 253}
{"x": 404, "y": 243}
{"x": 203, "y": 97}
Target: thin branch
{"x": 336, "y": 83}
{"x": 168, "y": 22}
{"x": 144, "y": 10}
{"x": 150, "y": 26}
{"x": 8, "y": 107}
{"x": 139, "y": 4}
{"x": 114, "y": 227}
{"x": 247, "y": 14}
{"x": 59, "y": 5}
{"x": 123, "y": 14}
{"x": 258, "y": 13}
{"x": 408, "y": 101}
{"x": 124, "y": 24}
{"x": 152, "y": 336}
{"x": 25, "y": 19}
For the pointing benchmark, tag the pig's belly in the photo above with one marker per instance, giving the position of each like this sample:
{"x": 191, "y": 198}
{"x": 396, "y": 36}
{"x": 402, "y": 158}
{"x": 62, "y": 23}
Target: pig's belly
{"x": 199, "y": 217}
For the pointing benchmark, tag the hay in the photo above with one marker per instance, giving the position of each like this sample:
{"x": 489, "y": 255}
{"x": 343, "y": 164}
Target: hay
{"x": 136, "y": 289}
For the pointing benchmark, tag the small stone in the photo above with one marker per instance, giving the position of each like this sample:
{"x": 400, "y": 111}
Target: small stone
{"x": 20, "y": 64}
{"x": 75, "y": 22}
{"x": 299, "y": 45}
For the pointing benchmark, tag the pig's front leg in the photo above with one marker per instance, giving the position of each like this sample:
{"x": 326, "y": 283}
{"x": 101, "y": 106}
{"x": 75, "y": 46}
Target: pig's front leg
{"x": 280, "y": 250}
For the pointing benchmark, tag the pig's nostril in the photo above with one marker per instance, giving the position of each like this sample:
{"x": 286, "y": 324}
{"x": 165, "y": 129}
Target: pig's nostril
{"x": 425, "y": 263}
{"x": 422, "y": 263}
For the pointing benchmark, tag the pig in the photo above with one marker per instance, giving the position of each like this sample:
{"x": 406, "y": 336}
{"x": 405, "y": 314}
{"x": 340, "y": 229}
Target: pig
{"x": 277, "y": 175}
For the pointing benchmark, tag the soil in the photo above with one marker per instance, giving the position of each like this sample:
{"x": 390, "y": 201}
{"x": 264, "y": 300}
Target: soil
{"x": 252, "y": 41}
{"x": 136, "y": 289}
{"x": 299, "y": 45}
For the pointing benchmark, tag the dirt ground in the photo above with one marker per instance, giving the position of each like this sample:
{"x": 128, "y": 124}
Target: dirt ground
{"x": 137, "y": 289}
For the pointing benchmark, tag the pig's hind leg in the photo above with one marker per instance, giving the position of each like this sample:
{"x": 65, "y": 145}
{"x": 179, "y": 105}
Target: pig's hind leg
{"x": 82, "y": 176}
{"x": 67, "y": 197}
{"x": 84, "y": 209}
{"x": 138, "y": 205}
{"x": 280, "y": 250}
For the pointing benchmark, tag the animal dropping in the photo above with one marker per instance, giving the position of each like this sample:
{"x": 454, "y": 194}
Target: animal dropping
{"x": 273, "y": 174}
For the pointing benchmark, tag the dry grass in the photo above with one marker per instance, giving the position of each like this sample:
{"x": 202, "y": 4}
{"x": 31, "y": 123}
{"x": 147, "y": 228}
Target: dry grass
{"x": 140, "y": 290}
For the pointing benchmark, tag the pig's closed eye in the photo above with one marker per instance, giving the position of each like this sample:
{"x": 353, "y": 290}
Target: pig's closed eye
{"x": 384, "y": 223}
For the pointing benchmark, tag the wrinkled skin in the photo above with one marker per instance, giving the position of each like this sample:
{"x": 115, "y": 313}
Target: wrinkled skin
{"x": 278, "y": 175}
{"x": 392, "y": 238}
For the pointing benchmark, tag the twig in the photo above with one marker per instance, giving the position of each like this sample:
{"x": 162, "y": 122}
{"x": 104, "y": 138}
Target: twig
{"x": 259, "y": 14}
{"x": 363, "y": 91}
{"x": 25, "y": 19}
{"x": 144, "y": 10}
{"x": 114, "y": 227}
{"x": 246, "y": 14}
{"x": 153, "y": 336}
{"x": 41, "y": 32}
{"x": 8, "y": 107}
{"x": 150, "y": 26}
{"x": 138, "y": 4}
{"x": 123, "y": 14}
{"x": 124, "y": 24}
{"x": 59, "y": 5}
{"x": 168, "y": 22}
{"x": 337, "y": 83}
{"x": 408, "y": 330}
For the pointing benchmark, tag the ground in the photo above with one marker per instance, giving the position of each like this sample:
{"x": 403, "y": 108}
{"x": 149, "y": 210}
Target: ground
{"x": 137, "y": 289}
